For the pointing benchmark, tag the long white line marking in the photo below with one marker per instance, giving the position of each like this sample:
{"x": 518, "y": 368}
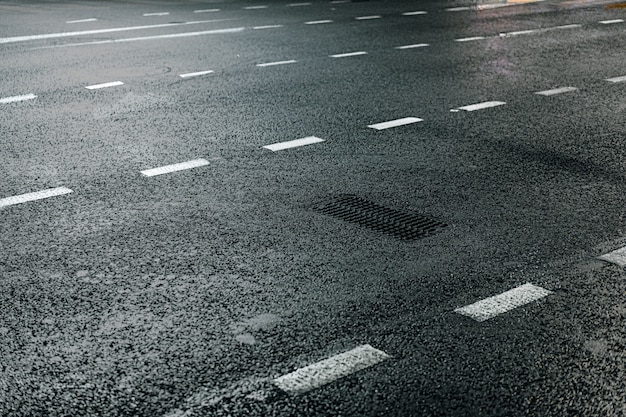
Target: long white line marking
{"x": 17, "y": 98}
{"x": 473, "y": 38}
{"x": 480, "y": 106}
{"x": 206, "y": 10}
{"x": 299, "y": 4}
{"x": 267, "y": 27}
{"x": 97, "y": 31}
{"x": 331, "y": 369}
{"x": 157, "y": 14}
{"x": 617, "y": 79}
{"x": 417, "y": 45}
{"x": 195, "y": 74}
{"x": 414, "y": 13}
{"x": 458, "y": 9}
{"x": 255, "y": 7}
{"x": 104, "y": 85}
{"x": 608, "y": 22}
{"x": 37, "y": 195}
{"x": 175, "y": 167}
{"x": 368, "y": 17}
{"x": 617, "y": 257}
{"x": 348, "y": 54}
{"x": 93, "y": 19}
{"x": 556, "y": 91}
{"x": 269, "y": 64}
{"x": 490, "y": 307}
{"x": 318, "y": 22}
{"x": 520, "y": 32}
{"x": 395, "y": 123}
{"x": 293, "y": 143}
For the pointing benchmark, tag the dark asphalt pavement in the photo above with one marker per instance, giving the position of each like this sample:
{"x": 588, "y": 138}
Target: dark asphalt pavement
{"x": 189, "y": 293}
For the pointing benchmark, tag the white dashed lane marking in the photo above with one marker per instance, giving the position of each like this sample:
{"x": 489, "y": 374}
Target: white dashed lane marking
{"x": 104, "y": 85}
{"x": 608, "y": 22}
{"x": 480, "y": 106}
{"x": 348, "y": 54}
{"x": 37, "y": 195}
{"x": 93, "y": 19}
{"x": 555, "y": 91}
{"x": 331, "y": 369}
{"x": 473, "y": 38}
{"x": 395, "y": 123}
{"x": 157, "y": 14}
{"x": 457, "y": 9}
{"x": 255, "y": 7}
{"x": 267, "y": 27}
{"x": 195, "y": 74}
{"x": 318, "y": 22}
{"x": 15, "y": 99}
{"x": 175, "y": 167}
{"x": 368, "y": 17}
{"x": 269, "y": 64}
{"x": 501, "y": 303}
{"x": 298, "y": 4}
{"x": 617, "y": 79}
{"x": 617, "y": 257}
{"x": 206, "y": 10}
{"x": 416, "y": 13}
{"x": 417, "y": 45}
{"x": 293, "y": 143}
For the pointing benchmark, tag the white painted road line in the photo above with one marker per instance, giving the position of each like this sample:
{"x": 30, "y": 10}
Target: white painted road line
{"x": 299, "y": 4}
{"x": 520, "y": 32}
{"x": 608, "y": 22}
{"x": 368, "y": 17}
{"x": 617, "y": 79}
{"x": 339, "y": 1}
{"x": 395, "y": 123}
{"x": 349, "y": 54}
{"x": 480, "y": 106}
{"x": 269, "y": 64}
{"x": 458, "y": 9}
{"x": 490, "y": 307}
{"x": 255, "y": 7}
{"x": 37, "y": 195}
{"x": 93, "y": 19}
{"x": 331, "y": 369}
{"x": 157, "y": 14}
{"x": 473, "y": 38}
{"x": 104, "y": 85}
{"x": 318, "y": 22}
{"x": 175, "y": 167}
{"x": 556, "y": 91}
{"x": 572, "y": 26}
{"x": 195, "y": 74}
{"x": 15, "y": 99}
{"x": 206, "y": 10}
{"x": 617, "y": 257}
{"x": 97, "y": 31}
{"x": 417, "y": 45}
{"x": 267, "y": 27}
{"x": 293, "y": 143}
{"x": 414, "y": 13}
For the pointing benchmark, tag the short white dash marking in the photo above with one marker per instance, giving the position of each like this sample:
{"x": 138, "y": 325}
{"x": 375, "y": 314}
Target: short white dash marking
{"x": 480, "y": 106}
{"x": 556, "y": 91}
{"x": 37, "y": 195}
{"x": 490, "y": 307}
{"x": 419, "y": 12}
{"x": 267, "y": 27}
{"x": 458, "y": 9}
{"x": 318, "y": 22}
{"x": 104, "y": 85}
{"x": 269, "y": 64}
{"x": 417, "y": 45}
{"x": 298, "y": 4}
{"x": 17, "y": 98}
{"x": 617, "y": 257}
{"x": 368, "y": 17}
{"x": 395, "y": 123}
{"x": 520, "y": 32}
{"x": 572, "y": 26}
{"x": 608, "y": 22}
{"x": 349, "y": 54}
{"x": 473, "y": 38}
{"x": 293, "y": 143}
{"x": 617, "y": 79}
{"x": 195, "y": 74}
{"x": 255, "y": 7}
{"x": 157, "y": 14}
{"x": 93, "y": 19}
{"x": 331, "y": 369}
{"x": 175, "y": 167}
{"x": 339, "y": 1}
{"x": 491, "y": 6}
{"x": 206, "y": 10}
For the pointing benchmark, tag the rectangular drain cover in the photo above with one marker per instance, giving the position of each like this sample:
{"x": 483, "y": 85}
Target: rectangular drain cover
{"x": 402, "y": 225}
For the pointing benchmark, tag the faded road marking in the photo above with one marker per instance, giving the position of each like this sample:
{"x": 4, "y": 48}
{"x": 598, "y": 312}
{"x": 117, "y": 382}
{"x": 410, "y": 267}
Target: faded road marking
{"x": 617, "y": 257}
{"x": 556, "y": 91}
{"x": 206, "y": 10}
{"x": 93, "y": 19}
{"x": 175, "y": 167}
{"x": 617, "y": 79}
{"x": 157, "y": 14}
{"x": 293, "y": 143}
{"x": 395, "y": 123}
{"x": 17, "y": 98}
{"x": 368, "y": 17}
{"x": 269, "y": 64}
{"x": 37, "y": 195}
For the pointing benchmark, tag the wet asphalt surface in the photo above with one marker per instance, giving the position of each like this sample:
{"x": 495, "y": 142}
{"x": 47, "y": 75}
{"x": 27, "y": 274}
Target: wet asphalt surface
{"x": 186, "y": 294}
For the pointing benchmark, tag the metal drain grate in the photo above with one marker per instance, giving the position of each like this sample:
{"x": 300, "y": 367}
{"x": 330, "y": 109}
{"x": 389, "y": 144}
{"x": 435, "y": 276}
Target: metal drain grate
{"x": 402, "y": 225}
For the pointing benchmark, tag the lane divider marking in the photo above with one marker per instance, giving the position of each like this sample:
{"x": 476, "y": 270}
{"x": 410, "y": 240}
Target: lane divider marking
{"x": 318, "y": 22}
{"x": 348, "y": 54}
{"x": 330, "y": 370}
{"x": 395, "y": 123}
{"x": 174, "y": 167}
{"x": 417, "y": 45}
{"x": 269, "y": 64}
{"x": 206, "y": 10}
{"x": 15, "y": 99}
{"x": 414, "y": 13}
{"x": 617, "y": 79}
{"x": 368, "y": 17}
{"x": 195, "y": 74}
{"x": 104, "y": 85}
{"x": 93, "y": 19}
{"x": 293, "y": 143}
{"x": 490, "y": 307}
{"x": 267, "y": 27}
{"x": 157, "y": 14}
{"x": 473, "y": 38}
{"x": 554, "y": 91}
{"x": 480, "y": 106}
{"x": 255, "y": 7}
{"x": 608, "y": 22}
{"x": 458, "y": 9}
{"x": 37, "y": 195}
{"x": 617, "y": 257}
{"x": 299, "y": 4}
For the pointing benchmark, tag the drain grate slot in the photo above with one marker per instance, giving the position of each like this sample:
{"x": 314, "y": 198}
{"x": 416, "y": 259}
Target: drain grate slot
{"x": 400, "y": 224}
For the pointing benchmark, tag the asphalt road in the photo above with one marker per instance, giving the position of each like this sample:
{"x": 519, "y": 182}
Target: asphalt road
{"x": 222, "y": 287}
